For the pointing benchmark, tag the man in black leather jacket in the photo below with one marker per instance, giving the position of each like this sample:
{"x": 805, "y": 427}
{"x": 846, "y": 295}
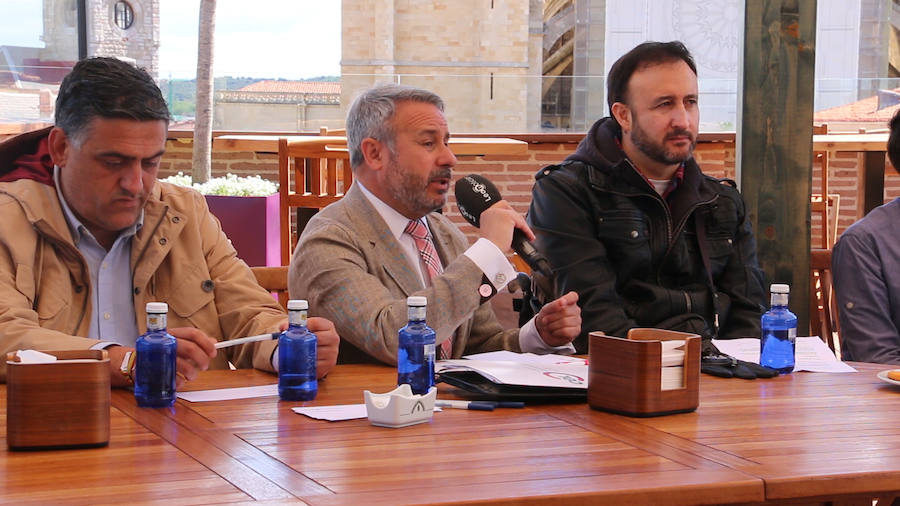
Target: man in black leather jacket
{"x": 631, "y": 223}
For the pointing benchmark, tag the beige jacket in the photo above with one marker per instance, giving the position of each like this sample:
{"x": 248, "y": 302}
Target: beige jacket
{"x": 354, "y": 272}
{"x": 180, "y": 256}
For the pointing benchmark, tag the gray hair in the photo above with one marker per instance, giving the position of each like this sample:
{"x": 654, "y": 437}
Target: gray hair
{"x": 371, "y": 113}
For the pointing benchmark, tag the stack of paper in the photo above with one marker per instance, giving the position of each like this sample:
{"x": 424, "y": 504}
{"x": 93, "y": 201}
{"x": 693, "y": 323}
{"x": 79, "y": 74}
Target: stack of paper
{"x": 672, "y": 365}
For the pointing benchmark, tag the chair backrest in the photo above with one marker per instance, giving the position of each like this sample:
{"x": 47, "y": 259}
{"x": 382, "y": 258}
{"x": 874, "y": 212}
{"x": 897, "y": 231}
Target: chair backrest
{"x": 823, "y": 310}
{"x": 312, "y": 173}
{"x": 824, "y": 203}
{"x": 273, "y": 279}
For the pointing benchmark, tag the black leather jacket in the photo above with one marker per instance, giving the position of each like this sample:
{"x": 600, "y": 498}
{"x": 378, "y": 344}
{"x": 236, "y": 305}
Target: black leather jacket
{"x": 634, "y": 258}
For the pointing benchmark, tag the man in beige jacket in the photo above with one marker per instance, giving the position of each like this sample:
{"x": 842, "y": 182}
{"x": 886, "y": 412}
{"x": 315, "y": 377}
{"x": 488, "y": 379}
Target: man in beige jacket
{"x": 89, "y": 236}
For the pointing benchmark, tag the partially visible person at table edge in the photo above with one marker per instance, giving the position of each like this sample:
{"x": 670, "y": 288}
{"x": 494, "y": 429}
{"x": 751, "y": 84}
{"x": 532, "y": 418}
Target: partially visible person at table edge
{"x": 866, "y": 268}
{"x": 89, "y": 236}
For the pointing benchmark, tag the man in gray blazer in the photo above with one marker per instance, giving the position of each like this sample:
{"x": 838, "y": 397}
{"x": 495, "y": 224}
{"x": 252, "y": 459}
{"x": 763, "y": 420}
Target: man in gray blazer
{"x": 359, "y": 258}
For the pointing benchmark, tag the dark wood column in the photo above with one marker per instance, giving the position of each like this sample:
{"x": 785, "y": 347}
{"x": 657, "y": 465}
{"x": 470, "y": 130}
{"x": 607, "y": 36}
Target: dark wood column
{"x": 774, "y": 139}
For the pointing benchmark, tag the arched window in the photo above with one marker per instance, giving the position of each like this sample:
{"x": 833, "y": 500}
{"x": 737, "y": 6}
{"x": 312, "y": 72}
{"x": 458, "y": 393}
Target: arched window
{"x": 123, "y": 15}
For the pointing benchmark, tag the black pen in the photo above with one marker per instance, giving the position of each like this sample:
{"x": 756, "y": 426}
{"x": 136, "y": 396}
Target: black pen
{"x": 508, "y": 404}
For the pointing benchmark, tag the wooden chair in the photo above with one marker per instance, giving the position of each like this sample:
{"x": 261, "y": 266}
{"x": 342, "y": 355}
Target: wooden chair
{"x": 312, "y": 173}
{"x": 824, "y": 203}
{"x": 823, "y": 310}
{"x": 273, "y": 279}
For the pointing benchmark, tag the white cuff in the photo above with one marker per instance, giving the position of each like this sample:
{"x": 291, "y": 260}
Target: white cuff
{"x": 530, "y": 342}
{"x": 275, "y": 359}
{"x": 492, "y": 262}
{"x": 102, "y": 345}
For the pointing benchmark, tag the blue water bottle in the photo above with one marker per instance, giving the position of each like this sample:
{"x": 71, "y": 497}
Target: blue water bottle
{"x": 297, "y": 356}
{"x": 154, "y": 369}
{"x": 779, "y": 332}
{"x": 415, "y": 349}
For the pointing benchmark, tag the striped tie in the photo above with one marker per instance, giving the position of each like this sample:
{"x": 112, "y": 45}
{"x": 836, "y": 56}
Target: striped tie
{"x": 417, "y": 230}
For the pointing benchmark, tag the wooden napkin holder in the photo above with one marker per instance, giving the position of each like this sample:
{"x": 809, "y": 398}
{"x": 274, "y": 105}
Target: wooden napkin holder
{"x": 624, "y": 374}
{"x": 62, "y": 404}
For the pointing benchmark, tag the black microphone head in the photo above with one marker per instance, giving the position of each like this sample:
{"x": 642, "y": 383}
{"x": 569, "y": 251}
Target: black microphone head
{"x": 474, "y": 194}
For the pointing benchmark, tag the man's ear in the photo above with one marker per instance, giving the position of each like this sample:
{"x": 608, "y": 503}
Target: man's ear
{"x": 622, "y": 114}
{"x": 375, "y": 153}
{"x": 59, "y": 144}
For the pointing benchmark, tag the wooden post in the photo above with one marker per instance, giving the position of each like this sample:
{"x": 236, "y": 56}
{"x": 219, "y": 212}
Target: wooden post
{"x": 774, "y": 139}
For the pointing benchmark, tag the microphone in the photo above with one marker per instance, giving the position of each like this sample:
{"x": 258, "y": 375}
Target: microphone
{"x": 474, "y": 194}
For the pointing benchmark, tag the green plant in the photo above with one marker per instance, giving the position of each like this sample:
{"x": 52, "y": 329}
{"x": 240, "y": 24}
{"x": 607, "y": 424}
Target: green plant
{"x": 250, "y": 186}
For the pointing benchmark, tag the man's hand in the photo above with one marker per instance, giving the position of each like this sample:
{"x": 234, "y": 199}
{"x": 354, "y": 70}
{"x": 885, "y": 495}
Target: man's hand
{"x": 194, "y": 350}
{"x": 559, "y": 322}
{"x": 498, "y": 222}
{"x": 326, "y": 344}
{"x": 116, "y": 355}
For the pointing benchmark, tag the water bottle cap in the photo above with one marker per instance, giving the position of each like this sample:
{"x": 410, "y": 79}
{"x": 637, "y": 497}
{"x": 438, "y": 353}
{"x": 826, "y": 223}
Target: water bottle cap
{"x": 417, "y": 301}
{"x": 157, "y": 307}
{"x": 297, "y": 305}
{"x": 780, "y": 288}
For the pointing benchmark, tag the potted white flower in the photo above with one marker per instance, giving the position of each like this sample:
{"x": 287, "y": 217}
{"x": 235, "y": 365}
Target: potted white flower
{"x": 247, "y": 208}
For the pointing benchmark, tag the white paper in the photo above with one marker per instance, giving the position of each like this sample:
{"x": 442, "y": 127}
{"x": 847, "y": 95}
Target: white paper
{"x": 812, "y": 354}
{"x": 334, "y": 413}
{"x": 35, "y": 357}
{"x": 526, "y": 358}
{"x": 227, "y": 394}
{"x": 573, "y": 375}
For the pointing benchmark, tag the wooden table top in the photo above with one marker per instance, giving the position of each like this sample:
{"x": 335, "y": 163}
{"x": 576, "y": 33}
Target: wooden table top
{"x": 797, "y": 436}
{"x": 459, "y": 145}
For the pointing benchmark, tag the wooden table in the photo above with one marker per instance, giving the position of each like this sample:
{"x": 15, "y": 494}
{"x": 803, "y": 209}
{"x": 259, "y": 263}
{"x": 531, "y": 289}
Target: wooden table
{"x": 811, "y": 437}
{"x": 459, "y": 145}
{"x": 873, "y": 147}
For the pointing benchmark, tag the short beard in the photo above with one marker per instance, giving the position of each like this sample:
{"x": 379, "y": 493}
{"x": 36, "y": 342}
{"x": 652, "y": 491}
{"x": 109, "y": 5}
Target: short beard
{"x": 412, "y": 190}
{"x": 657, "y": 152}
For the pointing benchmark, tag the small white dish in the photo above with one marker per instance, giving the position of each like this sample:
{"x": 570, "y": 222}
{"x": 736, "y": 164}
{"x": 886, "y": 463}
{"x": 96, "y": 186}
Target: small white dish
{"x": 399, "y": 407}
{"x": 883, "y": 376}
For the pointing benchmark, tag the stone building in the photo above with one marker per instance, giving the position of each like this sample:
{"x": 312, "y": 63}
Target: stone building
{"x": 290, "y": 106}
{"x": 30, "y": 76}
{"x": 124, "y": 28}
{"x": 478, "y": 55}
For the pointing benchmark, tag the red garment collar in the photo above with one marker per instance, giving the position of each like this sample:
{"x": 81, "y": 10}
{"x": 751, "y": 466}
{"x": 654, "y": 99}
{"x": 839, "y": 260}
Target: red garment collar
{"x": 37, "y": 166}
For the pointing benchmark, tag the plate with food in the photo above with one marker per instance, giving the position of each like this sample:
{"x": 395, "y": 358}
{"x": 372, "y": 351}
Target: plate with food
{"x": 891, "y": 376}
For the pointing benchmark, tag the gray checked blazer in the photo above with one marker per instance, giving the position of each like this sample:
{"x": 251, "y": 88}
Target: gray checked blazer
{"x": 352, "y": 270}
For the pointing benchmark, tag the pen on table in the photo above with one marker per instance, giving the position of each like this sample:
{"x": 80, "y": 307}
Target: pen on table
{"x": 243, "y": 340}
{"x": 508, "y": 404}
{"x": 475, "y": 405}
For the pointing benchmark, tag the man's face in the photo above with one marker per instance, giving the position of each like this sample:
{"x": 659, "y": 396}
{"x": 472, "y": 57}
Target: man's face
{"x": 107, "y": 174}
{"x": 417, "y": 174}
{"x": 664, "y": 116}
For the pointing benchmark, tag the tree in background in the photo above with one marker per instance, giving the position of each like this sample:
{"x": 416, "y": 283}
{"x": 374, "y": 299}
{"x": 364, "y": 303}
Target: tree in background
{"x": 202, "y": 158}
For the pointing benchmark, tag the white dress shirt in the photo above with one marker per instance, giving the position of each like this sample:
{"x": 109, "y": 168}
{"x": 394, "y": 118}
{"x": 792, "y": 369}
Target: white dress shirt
{"x": 485, "y": 254}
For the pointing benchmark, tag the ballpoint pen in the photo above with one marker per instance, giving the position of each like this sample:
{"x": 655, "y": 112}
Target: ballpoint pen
{"x": 478, "y": 405}
{"x": 475, "y": 405}
{"x": 244, "y": 340}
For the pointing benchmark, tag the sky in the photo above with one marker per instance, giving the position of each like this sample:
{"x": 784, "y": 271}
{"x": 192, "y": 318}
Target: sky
{"x": 291, "y": 39}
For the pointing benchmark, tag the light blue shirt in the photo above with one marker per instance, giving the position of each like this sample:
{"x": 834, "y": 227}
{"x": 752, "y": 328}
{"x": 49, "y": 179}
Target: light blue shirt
{"x": 112, "y": 318}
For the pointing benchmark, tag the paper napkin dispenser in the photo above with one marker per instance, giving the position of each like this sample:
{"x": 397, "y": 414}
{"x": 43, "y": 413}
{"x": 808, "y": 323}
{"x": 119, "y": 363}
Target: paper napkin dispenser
{"x": 58, "y": 404}
{"x": 648, "y": 373}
